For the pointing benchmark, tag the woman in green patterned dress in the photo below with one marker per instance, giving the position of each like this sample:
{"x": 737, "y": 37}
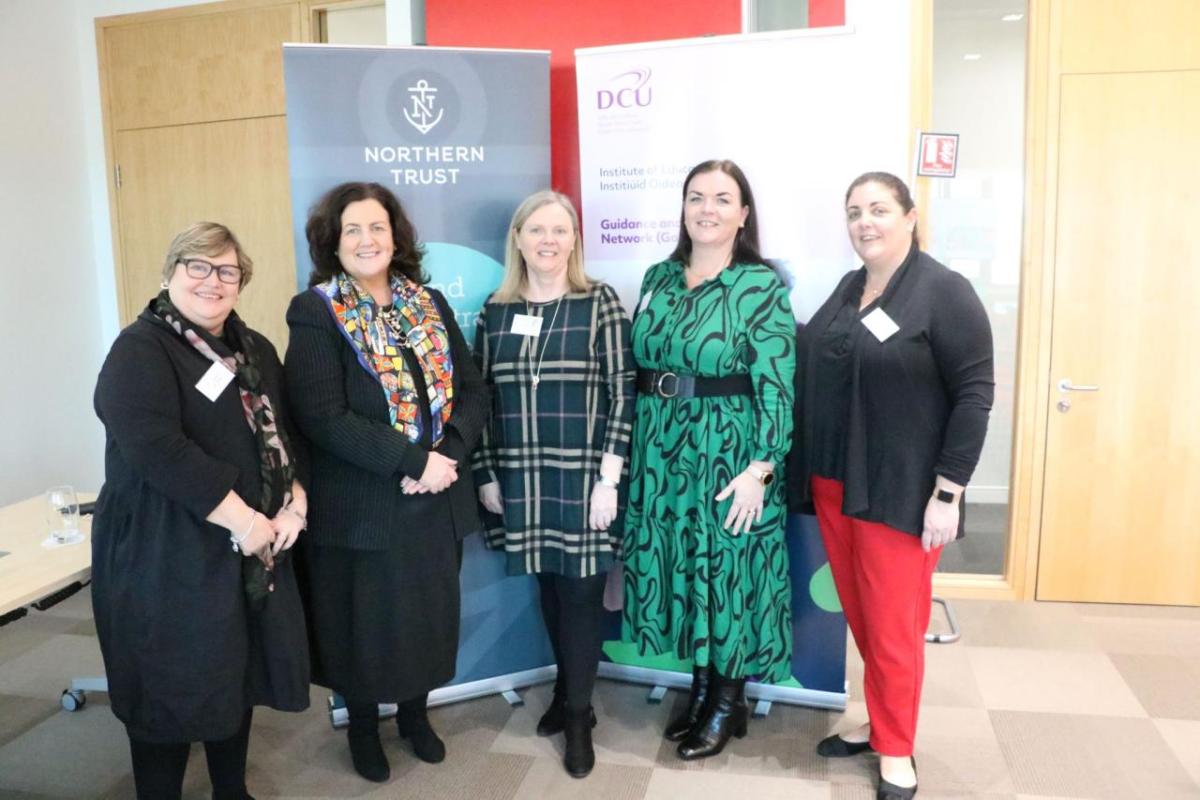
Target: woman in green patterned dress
{"x": 706, "y": 566}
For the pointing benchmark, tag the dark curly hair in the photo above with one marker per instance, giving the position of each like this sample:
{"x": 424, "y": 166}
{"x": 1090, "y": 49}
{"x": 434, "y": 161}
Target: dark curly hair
{"x": 745, "y": 244}
{"x": 324, "y": 232}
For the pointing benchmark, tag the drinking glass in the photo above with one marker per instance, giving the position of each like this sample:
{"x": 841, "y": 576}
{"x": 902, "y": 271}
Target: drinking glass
{"x": 62, "y": 513}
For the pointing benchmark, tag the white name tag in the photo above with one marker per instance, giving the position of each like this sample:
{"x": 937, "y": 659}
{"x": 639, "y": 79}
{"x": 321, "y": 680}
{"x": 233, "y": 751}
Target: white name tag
{"x": 527, "y": 324}
{"x": 214, "y": 381}
{"x": 645, "y": 302}
{"x": 880, "y": 324}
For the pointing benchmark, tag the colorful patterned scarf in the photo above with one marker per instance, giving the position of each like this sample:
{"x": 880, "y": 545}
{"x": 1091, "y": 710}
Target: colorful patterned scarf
{"x": 275, "y": 461}
{"x": 377, "y": 337}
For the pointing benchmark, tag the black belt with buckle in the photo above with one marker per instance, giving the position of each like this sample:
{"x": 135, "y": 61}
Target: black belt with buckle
{"x": 671, "y": 384}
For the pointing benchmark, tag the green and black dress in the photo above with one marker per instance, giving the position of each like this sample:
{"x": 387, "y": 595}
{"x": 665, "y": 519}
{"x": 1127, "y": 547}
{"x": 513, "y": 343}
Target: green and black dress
{"x": 691, "y": 588}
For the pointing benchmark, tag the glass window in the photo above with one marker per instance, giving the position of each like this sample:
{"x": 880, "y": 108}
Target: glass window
{"x": 975, "y": 225}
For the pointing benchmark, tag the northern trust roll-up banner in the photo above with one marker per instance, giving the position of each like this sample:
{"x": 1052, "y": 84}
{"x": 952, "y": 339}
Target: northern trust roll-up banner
{"x": 461, "y": 137}
{"x": 802, "y": 113}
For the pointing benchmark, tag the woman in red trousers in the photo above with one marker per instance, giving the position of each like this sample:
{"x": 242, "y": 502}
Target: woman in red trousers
{"x": 893, "y": 389}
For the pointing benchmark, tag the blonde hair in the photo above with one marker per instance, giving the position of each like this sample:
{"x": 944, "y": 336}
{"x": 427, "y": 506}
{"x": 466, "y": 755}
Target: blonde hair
{"x": 206, "y": 239}
{"x": 512, "y": 288}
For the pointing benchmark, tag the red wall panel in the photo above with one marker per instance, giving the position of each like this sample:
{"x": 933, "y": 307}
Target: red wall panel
{"x": 560, "y": 27}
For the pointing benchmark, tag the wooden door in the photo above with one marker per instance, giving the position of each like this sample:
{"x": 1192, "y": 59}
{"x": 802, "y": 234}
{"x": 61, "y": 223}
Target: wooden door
{"x": 194, "y": 112}
{"x": 1121, "y": 502}
{"x": 234, "y": 172}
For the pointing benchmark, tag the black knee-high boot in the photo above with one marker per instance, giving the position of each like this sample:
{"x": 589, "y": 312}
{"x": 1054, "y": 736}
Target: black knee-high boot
{"x": 366, "y": 751}
{"x": 682, "y": 725}
{"x": 412, "y": 720}
{"x": 725, "y": 714}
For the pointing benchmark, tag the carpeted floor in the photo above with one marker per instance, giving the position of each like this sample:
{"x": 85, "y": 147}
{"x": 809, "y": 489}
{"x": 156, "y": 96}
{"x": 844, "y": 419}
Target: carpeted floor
{"x": 1037, "y": 700}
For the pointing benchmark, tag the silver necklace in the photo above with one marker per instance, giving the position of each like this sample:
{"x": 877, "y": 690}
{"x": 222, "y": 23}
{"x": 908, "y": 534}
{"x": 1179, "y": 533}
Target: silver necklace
{"x": 536, "y": 374}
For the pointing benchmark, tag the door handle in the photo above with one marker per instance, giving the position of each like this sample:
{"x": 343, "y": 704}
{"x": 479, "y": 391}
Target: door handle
{"x": 1065, "y": 385}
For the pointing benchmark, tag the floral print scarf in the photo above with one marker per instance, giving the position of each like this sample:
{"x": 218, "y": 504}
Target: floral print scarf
{"x": 378, "y": 336}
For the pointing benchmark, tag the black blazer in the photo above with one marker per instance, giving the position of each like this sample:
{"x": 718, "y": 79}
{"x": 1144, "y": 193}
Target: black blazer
{"x": 919, "y": 401}
{"x": 357, "y": 457}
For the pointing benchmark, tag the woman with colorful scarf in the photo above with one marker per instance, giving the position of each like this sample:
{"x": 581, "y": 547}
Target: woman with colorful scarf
{"x": 388, "y": 396}
{"x": 196, "y": 605}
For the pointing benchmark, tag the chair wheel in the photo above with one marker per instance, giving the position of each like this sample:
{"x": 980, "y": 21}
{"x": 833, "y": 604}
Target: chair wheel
{"x": 73, "y": 699}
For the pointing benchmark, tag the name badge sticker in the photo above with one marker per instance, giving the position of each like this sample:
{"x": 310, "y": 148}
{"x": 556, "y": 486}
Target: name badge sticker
{"x": 526, "y": 324}
{"x": 880, "y": 324}
{"x": 645, "y": 302}
{"x": 214, "y": 381}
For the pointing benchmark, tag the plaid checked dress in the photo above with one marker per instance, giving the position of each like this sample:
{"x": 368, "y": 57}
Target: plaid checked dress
{"x": 547, "y": 436}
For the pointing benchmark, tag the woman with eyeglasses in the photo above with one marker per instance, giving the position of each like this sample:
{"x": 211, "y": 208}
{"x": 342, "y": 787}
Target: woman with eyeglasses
{"x": 196, "y": 604}
{"x": 388, "y": 396}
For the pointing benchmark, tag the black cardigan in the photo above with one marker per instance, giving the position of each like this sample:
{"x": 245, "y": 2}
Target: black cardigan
{"x": 919, "y": 401}
{"x": 357, "y": 457}
{"x": 183, "y": 656}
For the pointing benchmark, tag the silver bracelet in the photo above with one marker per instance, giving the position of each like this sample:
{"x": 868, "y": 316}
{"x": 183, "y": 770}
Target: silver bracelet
{"x": 237, "y": 540}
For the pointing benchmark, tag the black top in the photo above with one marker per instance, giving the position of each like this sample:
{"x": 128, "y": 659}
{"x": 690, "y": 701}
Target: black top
{"x": 832, "y": 373}
{"x": 184, "y": 655}
{"x": 918, "y": 402}
{"x": 358, "y": 458}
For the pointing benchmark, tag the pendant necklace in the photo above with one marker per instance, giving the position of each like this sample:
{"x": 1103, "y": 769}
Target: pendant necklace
{"x": 536, "y": 374}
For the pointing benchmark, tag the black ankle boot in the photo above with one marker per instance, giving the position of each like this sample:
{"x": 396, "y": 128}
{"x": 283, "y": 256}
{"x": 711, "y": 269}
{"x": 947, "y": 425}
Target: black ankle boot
{"x": 555, "y": 718}
{"x": 682, "y": 725}
{"x": 426, "y": 744}
{"x": 366, "y": 751}
{"x": 725, "y": 714}
{"x": 579, "y": 757}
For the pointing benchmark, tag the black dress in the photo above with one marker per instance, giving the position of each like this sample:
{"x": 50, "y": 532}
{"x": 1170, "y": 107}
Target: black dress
{"x": 184, "y": 655}
{"x": 381, "y": 567}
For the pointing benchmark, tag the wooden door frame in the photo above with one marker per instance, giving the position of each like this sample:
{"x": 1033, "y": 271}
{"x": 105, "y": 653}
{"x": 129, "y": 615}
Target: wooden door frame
{"x": 308, "y": 11}
{"x": 1018, "y": 581}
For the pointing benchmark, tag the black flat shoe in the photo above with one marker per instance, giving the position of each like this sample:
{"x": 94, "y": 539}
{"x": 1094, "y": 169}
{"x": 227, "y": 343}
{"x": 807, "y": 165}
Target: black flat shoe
{"x": 837, "y": 747}
{"x": 890, "y": 791}
{"x": 426, "y": 744}
{"x": 554, "y": 720}
{"x": 682, "y": 725}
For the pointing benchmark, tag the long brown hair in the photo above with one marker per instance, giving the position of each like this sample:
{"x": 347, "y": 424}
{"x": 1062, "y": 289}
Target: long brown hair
{"x": 745, "y": 243}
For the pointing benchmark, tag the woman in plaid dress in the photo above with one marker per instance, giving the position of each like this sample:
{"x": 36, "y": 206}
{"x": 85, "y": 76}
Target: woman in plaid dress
{"x": 554, "y": 347}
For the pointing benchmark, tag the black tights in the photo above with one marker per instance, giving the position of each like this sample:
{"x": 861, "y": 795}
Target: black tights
{"x": 573, "y": 609}
{"x": 364, "y": 714}
{"x": 158, "y": 768}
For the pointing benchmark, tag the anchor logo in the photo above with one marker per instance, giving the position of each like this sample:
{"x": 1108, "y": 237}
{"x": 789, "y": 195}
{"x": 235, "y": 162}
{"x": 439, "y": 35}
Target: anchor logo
{"x": 423, "y": 116}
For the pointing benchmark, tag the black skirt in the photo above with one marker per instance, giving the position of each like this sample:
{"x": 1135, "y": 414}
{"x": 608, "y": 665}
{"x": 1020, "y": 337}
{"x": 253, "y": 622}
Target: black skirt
{"x": 384, "y": 623}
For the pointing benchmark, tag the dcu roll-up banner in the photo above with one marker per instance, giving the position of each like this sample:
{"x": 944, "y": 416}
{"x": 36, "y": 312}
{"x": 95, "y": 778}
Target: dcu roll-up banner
{"x": 461, "y": 137}
{"x": 803, "y": 113}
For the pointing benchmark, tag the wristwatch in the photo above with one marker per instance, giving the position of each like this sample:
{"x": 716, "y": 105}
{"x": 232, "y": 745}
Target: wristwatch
{"x": 763, "y": 476}
{"x": 944, "y": 496}
{"x": 609, "y": 482}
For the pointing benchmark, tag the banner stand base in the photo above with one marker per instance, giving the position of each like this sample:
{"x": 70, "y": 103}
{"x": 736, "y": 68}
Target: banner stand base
{"x": 503, "y": 685}
{"x": 762, "y": 692}
{"x": 659, "y": 681}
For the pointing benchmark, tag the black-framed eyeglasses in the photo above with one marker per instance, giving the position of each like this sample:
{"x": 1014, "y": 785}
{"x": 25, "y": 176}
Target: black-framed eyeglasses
{"x": 199, "y": 269}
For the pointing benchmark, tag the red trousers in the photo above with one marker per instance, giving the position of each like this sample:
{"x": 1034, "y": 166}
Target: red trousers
{"x": 885, "y": 582}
